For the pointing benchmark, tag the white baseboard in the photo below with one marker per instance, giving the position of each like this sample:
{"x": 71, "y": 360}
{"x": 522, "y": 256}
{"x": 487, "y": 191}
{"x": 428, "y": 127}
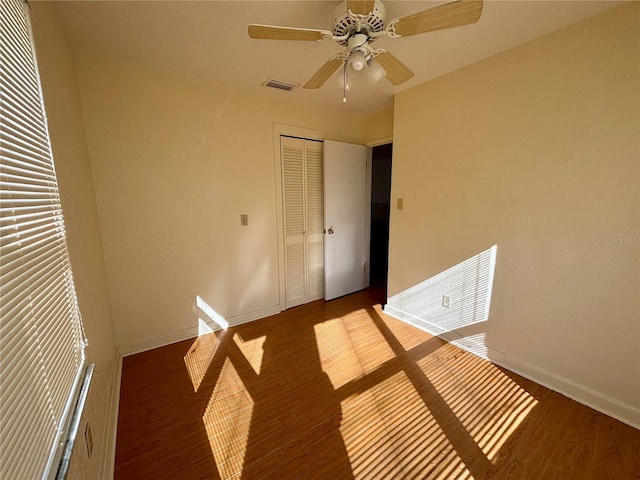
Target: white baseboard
{"x": 254, "y": 315}
{"x": 580, "y": 393}
{"x": 158, "y": 341}
{"x": 111, "y": 429}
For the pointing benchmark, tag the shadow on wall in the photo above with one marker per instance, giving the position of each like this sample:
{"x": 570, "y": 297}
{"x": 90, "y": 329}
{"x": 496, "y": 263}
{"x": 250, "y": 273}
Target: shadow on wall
{"x": 452, "y": 303}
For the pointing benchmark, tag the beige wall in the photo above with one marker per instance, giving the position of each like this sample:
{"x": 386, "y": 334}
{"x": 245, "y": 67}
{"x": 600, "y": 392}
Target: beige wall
{"x": 536, "y": 150}
{"x": 175, "y": 163}
{"x": 66, "y": 128}
{"x": 379, "y": 127}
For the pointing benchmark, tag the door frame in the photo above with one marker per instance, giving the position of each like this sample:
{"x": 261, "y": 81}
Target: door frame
{"x": 279, "y": 129}
{"x": 370, "y": 144}
{"x": 292, "y": 131}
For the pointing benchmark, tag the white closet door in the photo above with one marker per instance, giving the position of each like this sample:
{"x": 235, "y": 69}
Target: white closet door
{"x": 293, "y": 186}
{"x": 344, "y": 210}
{"x": 302, "y": 174}
{"x": 315, "y": 220}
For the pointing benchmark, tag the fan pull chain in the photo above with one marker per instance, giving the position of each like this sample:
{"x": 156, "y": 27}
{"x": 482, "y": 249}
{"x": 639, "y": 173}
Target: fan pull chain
{"x": 346, "y": 85}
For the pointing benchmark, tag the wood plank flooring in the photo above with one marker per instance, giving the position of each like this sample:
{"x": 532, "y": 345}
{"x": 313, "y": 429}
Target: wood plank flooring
{"x": 338, "y": 390}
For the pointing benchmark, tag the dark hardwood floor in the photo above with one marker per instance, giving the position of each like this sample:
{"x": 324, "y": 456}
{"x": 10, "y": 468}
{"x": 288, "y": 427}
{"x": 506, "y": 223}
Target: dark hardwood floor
{"x": 338, "y": 390}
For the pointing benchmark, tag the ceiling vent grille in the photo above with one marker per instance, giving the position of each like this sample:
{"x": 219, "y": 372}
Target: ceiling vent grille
{"x": 279, "y": 84}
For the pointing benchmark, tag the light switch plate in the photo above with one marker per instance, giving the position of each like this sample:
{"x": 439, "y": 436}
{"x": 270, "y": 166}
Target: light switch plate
{"x": 400, "y": 203}
{"x": 244, "y": 220}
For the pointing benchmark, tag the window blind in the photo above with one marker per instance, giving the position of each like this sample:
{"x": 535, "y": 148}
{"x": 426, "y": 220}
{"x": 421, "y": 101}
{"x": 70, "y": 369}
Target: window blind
{"x": 41, "y": 336}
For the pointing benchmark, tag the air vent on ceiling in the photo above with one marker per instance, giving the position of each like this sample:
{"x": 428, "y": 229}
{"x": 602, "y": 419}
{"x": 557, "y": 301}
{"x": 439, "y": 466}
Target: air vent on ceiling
{"x": 279, "y": 84}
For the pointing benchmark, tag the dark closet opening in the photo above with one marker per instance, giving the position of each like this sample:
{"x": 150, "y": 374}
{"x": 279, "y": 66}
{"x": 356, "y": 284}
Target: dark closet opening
{"x": 380, "y": 204}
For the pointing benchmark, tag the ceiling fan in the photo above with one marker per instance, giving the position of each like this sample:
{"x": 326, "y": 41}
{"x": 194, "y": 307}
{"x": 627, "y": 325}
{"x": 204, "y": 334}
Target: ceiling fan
{"x": 358, "y": 23}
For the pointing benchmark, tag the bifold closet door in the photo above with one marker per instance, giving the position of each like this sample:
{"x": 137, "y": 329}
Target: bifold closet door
{"x": 302, "y": 175}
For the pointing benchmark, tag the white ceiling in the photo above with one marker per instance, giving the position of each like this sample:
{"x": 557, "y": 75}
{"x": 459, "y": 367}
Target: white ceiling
{"x": 208, "y": 40}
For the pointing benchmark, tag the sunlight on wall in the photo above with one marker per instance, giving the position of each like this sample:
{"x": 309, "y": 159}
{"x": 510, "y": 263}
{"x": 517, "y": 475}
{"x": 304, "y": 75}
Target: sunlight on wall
{"x": 252, "y": 350}
{"x": 474, "y": 344}
{"x": 210, "y": 313}
{"x": 451, "y": 300}
{"x": 203, "y": 327}
{"x": 203, "y": 349}
{"x": 227, "y": 420}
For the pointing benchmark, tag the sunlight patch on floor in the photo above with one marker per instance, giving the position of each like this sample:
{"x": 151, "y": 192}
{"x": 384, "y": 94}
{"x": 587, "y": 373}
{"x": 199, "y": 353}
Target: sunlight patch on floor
{"x": 486, "y": 401}
{"x": 227, "y": 420}
{"x": 457, "y": 403}
{"x": 395, "y": 415}
{"x": 199, "y": 356}
{"x": 351, "y": 349}
{"x": 252, "y": 350}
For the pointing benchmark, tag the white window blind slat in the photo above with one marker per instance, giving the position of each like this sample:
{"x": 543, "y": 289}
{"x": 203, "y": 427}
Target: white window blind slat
{"x": 34, "y": 239}
{"x": 19, "y": 107}
{"x": 23, "y": 401}
{"x": 15, "y": 370}
{"x": 20, "y": 133}
{"x": 15, "y": 156}
{"x": 14, "y": 92}
{"x": 44, "y": 262}
{"x": 14, "y": 89}
{"x": 25, "y": 260}
{"x": 13, "y": 144}
{"x": 16, "y": 10}
{"x": 17, "y": 46}
{"x": 25, "y": 143}
{"x": 25, "y": 127}
{"x": 17, "y": 173}
{"x": 41, "y": 336}
{"x": 17, "y": 53}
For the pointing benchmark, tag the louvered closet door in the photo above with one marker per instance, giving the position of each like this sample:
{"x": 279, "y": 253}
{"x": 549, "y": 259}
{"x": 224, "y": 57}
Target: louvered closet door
{"x": 315, "y": 220}
{"x": 302, "y": 173}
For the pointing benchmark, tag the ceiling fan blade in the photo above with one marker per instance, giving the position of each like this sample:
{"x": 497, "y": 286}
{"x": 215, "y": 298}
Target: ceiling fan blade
{"x": 454, "y": 14}
{"x": 324, "y": 73}
{"x": 361, "y": 7}
{"x": 397, "y": 72}
{"x": 270, "y": 32}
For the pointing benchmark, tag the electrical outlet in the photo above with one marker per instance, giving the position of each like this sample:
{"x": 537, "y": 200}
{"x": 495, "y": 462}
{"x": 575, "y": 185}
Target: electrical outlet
{"x": 244, "y": 220}
{"x": 446, "y": 301}
{"x": 88, "y": 438}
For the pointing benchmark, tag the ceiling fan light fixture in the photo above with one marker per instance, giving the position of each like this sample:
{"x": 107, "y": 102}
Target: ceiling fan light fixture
{"x": 357, "y": 23}
{"x": 356, "y": 74}
{"x": 358, "y": 61}
{"x": 375, "y": 72}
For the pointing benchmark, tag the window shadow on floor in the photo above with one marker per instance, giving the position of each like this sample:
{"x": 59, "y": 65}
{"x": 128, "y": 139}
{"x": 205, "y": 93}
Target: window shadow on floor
{"x": 340, "y": 390}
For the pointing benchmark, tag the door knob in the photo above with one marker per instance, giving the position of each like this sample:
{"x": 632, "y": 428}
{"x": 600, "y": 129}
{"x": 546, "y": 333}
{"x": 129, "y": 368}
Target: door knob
{"x": 330, "y": 231}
